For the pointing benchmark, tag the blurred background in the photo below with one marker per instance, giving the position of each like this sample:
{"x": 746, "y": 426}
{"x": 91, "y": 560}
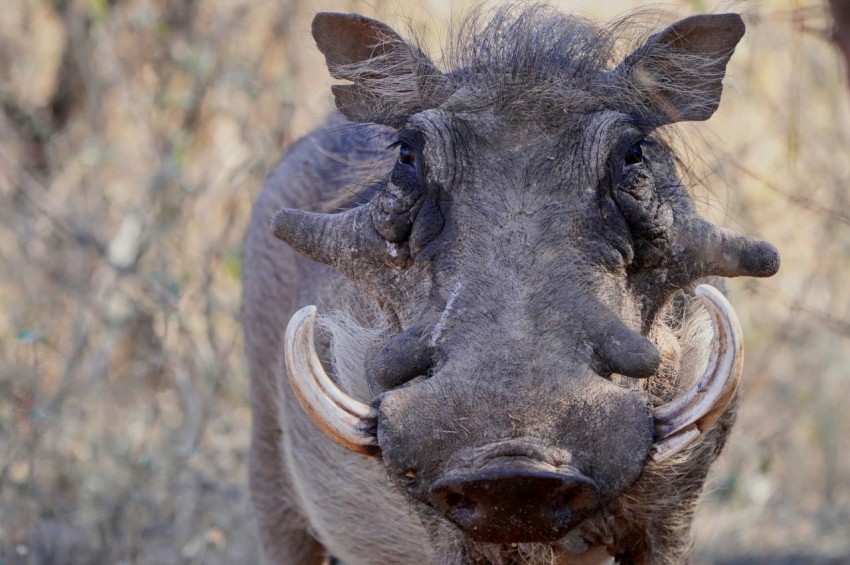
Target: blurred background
{"x": 134, "y": 137}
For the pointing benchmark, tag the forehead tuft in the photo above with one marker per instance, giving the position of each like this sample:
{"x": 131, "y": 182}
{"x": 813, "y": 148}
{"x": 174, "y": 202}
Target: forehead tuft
{"x": 530, "y": 59}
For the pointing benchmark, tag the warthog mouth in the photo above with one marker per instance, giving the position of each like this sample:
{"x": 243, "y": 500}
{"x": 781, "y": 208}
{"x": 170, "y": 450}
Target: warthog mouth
{"x": 576, "y": 547}
{"x": 678, "y": 424}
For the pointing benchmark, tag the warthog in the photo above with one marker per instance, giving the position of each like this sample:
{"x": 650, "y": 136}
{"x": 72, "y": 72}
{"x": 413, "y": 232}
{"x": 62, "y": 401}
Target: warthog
{"x": 520, "y": 360}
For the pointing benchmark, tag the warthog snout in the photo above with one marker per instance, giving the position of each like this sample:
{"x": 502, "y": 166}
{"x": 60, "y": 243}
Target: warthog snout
{"x": 515, "y": 498}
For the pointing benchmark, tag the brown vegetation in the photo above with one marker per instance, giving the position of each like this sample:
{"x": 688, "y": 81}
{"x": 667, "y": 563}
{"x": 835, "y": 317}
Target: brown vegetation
{"x": 841, "y": 28}
{"x": 134, "y": 135}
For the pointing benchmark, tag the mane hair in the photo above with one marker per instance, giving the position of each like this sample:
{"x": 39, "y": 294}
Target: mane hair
{"x": 529, "y": 57}
{"x": 531, "y": 61}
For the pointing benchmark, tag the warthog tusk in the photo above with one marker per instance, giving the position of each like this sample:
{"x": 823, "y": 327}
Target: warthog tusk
{"x": 343, "y": 419}
{"x": 681, "y": 422}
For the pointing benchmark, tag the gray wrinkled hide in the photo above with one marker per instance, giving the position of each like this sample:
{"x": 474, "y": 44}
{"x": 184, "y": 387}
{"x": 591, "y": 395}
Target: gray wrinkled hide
{"x": 313, "y": 491}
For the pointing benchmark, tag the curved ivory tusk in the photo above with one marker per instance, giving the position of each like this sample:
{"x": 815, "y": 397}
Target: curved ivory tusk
{"x": 672, "y": 445}
{"x": 699, "y": 408}
{"x": 343, "y": 419}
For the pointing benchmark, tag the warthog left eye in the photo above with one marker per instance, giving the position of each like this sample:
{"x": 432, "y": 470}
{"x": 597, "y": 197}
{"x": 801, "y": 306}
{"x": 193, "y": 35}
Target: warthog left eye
{"x": 634, "y": 184}
{"x": 634, "y": 154}
{"x": 627, "y": 156}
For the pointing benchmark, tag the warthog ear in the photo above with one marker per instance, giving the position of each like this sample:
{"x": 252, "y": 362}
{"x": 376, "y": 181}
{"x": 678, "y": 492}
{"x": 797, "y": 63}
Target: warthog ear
{"x": 678, "y": 73}
{"x": 390, "y": 79}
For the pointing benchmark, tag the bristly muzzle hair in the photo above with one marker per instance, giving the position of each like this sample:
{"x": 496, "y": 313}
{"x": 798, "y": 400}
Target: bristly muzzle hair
{"x": 355, "y": 329}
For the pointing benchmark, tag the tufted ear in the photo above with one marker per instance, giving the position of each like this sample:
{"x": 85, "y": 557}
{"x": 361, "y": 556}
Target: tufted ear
{"x": 678, "y": 73}
{"x": 390, "y": 78}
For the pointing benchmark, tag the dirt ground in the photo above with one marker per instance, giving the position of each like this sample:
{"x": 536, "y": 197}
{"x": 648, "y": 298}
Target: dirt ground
{"x": 134, "y": 137}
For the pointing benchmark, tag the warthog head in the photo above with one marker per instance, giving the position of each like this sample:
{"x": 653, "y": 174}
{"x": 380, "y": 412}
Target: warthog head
{"x": 533, "y": 248}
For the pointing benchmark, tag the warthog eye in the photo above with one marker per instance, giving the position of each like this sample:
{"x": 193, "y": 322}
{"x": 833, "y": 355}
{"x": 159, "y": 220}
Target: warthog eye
{"x": 634, "y": 155}
{"x": 407, "y": 171}
{"x": 408, "y": 143}
{"x": 406, "y": 154}
{"x": 396, "y": 209}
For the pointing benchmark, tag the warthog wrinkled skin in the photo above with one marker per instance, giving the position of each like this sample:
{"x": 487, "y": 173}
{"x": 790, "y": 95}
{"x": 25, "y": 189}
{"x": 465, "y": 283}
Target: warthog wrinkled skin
{"x": 513, "y": 239}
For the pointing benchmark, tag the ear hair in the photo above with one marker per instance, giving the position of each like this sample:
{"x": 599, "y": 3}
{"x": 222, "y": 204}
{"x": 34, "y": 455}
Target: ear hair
{"x": 678, "y": 73}
{"x": 390, "y": 78}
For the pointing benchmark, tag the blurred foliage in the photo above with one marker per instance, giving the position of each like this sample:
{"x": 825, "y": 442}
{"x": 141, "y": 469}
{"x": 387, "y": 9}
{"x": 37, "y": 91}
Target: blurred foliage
{"x": 134, "y": 136}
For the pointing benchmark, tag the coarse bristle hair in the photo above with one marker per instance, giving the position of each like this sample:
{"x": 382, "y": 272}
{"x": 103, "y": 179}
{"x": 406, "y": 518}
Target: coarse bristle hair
{"x": 529, "y": 55}
{"x": 533, "y": 62}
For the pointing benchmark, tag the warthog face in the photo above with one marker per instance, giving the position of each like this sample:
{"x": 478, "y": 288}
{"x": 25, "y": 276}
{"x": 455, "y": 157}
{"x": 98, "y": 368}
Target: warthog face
{"x": 526, "y": 245}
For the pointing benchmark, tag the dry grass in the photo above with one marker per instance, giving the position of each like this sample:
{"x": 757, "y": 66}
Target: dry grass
{"x": 134, "y": 135}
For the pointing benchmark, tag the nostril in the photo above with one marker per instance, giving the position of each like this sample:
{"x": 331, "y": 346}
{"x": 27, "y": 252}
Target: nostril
{"x": 455, "y": 500}
{"x": 462, "y": 510}
{"x": 575, "y": 501}
{"x": 515, "y": 502}
{"x": 577, "y": 496}
{"x": 455, "y": 505}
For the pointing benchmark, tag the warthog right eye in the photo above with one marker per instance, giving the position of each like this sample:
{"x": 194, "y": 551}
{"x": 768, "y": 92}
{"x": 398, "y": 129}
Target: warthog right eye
{"x": 406, "y": 154}
{"x": 409, "y": 142}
